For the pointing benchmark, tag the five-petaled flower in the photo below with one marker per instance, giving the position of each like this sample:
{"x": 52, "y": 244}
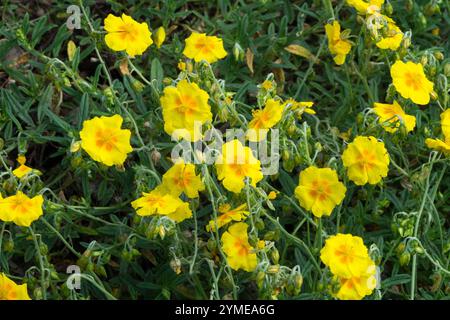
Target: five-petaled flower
{"x": 200, "y": 47}
{"x": 240, "y": 254}
{"x": 181, "y": 178}
{"x": 320, "y": 190}
{"x": 366, "y": 160}
{"x": 237, "y": 163}
{"x": 185, "y": 109}
{"x": 124, "y": 33}
{"x": 159, "y": 202}
{"x": 264, "y": 119}
{"x": 21, "y": 209}
{"x": 391, "y": 116}
{"x": 104, "y": 140}
{"x": 346, "y": 256}
{"x": 410, "y": 81}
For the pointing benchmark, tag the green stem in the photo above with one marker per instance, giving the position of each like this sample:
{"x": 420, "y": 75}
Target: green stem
{"x": 416, "y": 230}
{"x": 61, "y": 237}
{"x": 294, "y": 239}
{"x": 41, "y": 263}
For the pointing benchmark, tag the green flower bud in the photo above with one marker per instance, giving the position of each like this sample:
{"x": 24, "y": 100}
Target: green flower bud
{"x": 405, "y": 258}
{"x": 275, "y": 255}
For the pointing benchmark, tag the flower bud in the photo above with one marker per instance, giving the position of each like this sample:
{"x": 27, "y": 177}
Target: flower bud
{"x": 175, "y": 264}
{"x": 388, "y": 9}
{"x": 273, "y": 269}
{"x": 405, "y": 258}
{"x": 275, "y": 255}
{"x": 159, "y": 36}
{"x": 438, "y": 55}
{"x": 8, "y": 246}
{"x": 447, "y": 69}
{"x": 409, "y": 5}
{"x": 137, "y": 85}
{"x": 156, "y": 156}
{"x": 238, "y": 52}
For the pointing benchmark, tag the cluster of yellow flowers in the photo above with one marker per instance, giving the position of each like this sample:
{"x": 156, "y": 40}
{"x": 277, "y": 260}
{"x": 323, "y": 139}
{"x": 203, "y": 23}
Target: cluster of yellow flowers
{"x": 390, "y": 36}
{"x": 408, "y": 78}
{"x": 186, "y": 109}
{"x": 349, "y": 262}
{"x": 164, "y": 199}
{"x": 320, "y": 190}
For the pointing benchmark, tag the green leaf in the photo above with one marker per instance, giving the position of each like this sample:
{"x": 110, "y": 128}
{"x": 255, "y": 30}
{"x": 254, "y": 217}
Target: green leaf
{"x": 45, "y": 103}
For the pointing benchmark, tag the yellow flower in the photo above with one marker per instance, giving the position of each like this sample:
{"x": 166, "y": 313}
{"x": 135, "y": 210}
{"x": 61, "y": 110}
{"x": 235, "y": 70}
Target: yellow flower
{"x": 442, "y": 145}
{"x": 185, "y": 108}
{"x": 393, "y": 36}
{"x": 445, "y": 123}
{"x": 320, "y": 190}
{"x": 181, "y": 65}
{"x": 365, "y": 7}
{"x": 159, "y": 37}
{"x": 261, "y": 244}
{"x": 346, "y": 256}
{"x": 9, "y": 290}
{"x": 267, "y": 85}
{"x": 392, "y": 115}
{"x": 181, "y": 178}
{"x": 366, "y": 160}
{"x": 23, "y": 170}
{"x": 356, "y": 288}
{"x": 264, "y": 119}
{"x": 181, "y": 213}
{"x": 410, "y": 81}
{"x": 235, "y": 245}
{"x": 235, "y": 164}
{"x": 124, "y": 33}
{"x": 75, "y": 146}
{"x": 339, "y": 47}
{"x": 156, "y": 201}
{"x": 301, "y": 106}
{"x": 272, "y": 195}
{"x": 160, "y": 202}
{"x": 200, "y": 47}
{"x": 104, "y": 140}
{"x": 237, "y": 214}
{"x": 20, "y": 209}
{"x": 439, "y": 145}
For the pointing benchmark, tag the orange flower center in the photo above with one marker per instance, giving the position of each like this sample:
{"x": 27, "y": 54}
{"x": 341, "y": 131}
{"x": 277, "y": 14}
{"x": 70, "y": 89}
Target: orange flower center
{"x": 20, "y": 205}
{"x": 345, "y": 254}
{"x": 155, "y": 201}
{"x": 127, "y": 32}
{"x": 241, "y": 247}
{"x": 366, "y": 160}
{"x": 186, "y": 105}
{"x": 413, "y": 80}
{"x": 183, "y": 180}
{"x": 238, "y": 169}
{"x": 320, "y": 190}
{"x": 204, "y": 46}
{"x": 105, "y": 139}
